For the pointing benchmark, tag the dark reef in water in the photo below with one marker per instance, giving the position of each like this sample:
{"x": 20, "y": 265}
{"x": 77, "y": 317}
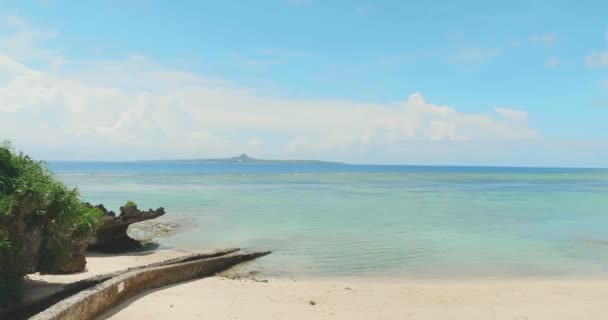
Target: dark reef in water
{"x": 112, "y": 233}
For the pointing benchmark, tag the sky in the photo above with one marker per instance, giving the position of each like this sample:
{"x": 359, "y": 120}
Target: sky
{"x": 511, "y": 83}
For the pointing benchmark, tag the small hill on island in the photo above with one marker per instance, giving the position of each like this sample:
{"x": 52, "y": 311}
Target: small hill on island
{"x": 243, "y": 158}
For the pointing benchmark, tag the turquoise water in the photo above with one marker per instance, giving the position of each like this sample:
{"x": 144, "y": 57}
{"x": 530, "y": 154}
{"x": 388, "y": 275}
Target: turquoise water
{"x": 346, "y": 220}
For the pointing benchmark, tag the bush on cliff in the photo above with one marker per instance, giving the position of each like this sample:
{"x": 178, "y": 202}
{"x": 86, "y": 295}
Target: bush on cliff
{"x": 41, "y": 220}
{"x": 130, "y": 204}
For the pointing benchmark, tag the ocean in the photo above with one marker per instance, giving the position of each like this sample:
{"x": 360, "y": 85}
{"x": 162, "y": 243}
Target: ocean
{"x": 371, "y": 220}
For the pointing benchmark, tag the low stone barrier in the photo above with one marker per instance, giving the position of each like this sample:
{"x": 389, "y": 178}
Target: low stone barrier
{"x": 96, "y": 300}
{"x": 30, "y": 308}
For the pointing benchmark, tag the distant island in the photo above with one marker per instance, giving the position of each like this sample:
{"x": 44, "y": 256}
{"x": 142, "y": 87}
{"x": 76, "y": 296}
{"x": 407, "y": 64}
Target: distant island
{"x": 243, "y": 158}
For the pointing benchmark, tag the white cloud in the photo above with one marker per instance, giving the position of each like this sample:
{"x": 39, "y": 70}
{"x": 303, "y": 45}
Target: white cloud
{"x": 137, "y": 109}
{"x": 546, "y": 39}
{"x": 552, "y": 62}
{"x": 13, "y": 19}
{"x": 56, "y": 63}
{"x": 255, "y": 142}
{"x": 597, "y": 59}
{"x": 18, "y": 38}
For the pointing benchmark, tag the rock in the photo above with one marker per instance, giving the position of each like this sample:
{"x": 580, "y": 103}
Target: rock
{"x": 112, "y": 233}
{"x": 27, "y": 247}
{"x": 37, "y": 251}
{"x": 56, "y": 260}
{"x": 77, "y": 261}
{"x": 312, "y": 303}
{"x": 158, "y": 228}
{"x": 252, "y": 276}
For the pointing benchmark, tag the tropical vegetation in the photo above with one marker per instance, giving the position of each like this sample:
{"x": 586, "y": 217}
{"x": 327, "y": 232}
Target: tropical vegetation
{"x": 41, "y": 220}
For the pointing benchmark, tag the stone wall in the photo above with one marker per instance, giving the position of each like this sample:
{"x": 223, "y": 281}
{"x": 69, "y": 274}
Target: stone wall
{"x": 93, "y": 302}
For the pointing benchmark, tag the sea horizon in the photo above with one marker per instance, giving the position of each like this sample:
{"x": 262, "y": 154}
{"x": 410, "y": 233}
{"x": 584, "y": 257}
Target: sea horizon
{"x": 336, "y": 162}
{"x": 344, "y": 220}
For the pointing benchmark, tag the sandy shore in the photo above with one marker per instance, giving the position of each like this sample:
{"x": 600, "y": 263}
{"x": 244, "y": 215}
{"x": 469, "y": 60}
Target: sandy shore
{"x": 222, "y": 298}
{"x": 217, "y": 298}
{"x": 37, "y": 286}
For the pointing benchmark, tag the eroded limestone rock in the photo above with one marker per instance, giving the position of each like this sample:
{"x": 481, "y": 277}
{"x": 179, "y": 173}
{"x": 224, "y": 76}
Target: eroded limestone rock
{"x": 112, "y": 233}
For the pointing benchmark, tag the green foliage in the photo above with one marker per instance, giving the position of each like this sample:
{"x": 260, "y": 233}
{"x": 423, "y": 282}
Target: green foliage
{"x": 32, "y": 198}
{"x": 6, "y": 247}
{"x": 87, "y": 221}
{"x": 130, "y": 204}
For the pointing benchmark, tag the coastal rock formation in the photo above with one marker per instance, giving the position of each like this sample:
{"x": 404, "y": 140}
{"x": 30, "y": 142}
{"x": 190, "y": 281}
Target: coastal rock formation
{"x": 160, "y": 228}
{"x": 39, "y": 252}
{"x": 76, "y": 260}
{"x": 112, "y": 232}
{"x": 27, "y": 258}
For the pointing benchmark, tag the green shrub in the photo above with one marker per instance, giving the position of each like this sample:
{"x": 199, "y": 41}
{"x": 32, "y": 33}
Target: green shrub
{"x": 33, "y": 200}
{"x": 130, "y": 204}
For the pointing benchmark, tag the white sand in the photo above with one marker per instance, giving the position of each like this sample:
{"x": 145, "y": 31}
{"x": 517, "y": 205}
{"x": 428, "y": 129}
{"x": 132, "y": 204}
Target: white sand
{"x": 217, "y": 298}
{"x": 98, "y": 263}
{"x": 220, "y": 298}
{"x": 37, "y": 286}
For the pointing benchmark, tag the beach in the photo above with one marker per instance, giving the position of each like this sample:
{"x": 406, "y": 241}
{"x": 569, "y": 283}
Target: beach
{"x": 218, "y": 298}
{"x": 353, "y": 298}
{"x": 365, "y": 242}
{"x": 303, "y": 159}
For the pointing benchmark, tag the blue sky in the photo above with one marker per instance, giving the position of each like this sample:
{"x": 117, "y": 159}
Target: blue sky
{"x": 474, "y": 82}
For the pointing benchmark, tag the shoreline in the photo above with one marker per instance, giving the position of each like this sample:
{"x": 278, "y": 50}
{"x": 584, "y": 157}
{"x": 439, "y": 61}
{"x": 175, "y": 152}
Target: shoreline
{"x": 221, "y": 298}
{"x": 261, "y": 297}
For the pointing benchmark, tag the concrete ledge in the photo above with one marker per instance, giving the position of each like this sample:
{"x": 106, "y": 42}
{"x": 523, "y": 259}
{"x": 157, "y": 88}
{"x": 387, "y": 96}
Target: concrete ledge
{"x": 32, "y": 307}
{"x": 96, "y": 300}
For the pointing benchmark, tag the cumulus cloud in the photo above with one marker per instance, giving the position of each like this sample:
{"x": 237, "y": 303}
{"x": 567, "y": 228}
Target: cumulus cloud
{"x": 139, "y": 106}
{"x": 15, "y": 20}
{"x": 597, "y": 59}
{"x": 552, "y": 63}
{"x": 18, "y": 38}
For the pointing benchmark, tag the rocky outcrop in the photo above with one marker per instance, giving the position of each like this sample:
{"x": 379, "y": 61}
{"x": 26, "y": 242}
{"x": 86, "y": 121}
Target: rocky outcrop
{"x": 37, "y": 251}
{"x": 112, "y": 232}
{"x": 163, "y": 227}
{"x": 27, "y": 248}
{"x": 76, "y": 260}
